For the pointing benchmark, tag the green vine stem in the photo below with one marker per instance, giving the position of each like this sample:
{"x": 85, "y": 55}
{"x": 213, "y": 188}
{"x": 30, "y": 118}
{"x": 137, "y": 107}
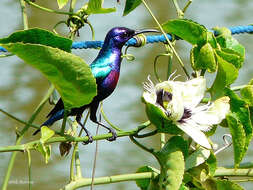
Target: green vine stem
{"x": 72, "y": 6}
{"x": 166, "y": 37}
{"x": 82, "y": 182}
{"x": 110, "y": 179}
{"x": 150, "y": 150}
{"x": 180, "y": 13}
{"x": 21, "y": 135}
{"x": 108, "y": 121}
{"x": 237, "y": 88}
{"x": 24, "y": 14}
{"x": 49, "y": 10}
{"x": 75, "y": 155}
{"x": 66, "y": 112}
{"x": 6, "y": 55}
{"x": 96, "y": 154}
{"x": 187, "y": 5}
{"x": 29, "y": 170}
{"x": 69, "y": 138}
{"x": 162, "y": 139}
{"x": 18, "y": 120}
{"x": 229, "y": 172}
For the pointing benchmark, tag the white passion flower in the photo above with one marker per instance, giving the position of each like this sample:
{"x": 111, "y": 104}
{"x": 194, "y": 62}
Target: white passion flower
{"x": 179, "y": 101}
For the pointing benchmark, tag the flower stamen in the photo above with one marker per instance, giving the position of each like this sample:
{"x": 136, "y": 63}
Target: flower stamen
{"x": 187, "y": 114}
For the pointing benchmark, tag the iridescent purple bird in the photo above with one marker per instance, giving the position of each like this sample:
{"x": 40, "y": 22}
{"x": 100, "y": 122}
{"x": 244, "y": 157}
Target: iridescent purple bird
{"x": 106, "y": 69}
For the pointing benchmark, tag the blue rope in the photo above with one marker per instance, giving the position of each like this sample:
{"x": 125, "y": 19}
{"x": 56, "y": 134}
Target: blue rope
{"x": 150, "y": 39}
{"x": 2, "y": 49}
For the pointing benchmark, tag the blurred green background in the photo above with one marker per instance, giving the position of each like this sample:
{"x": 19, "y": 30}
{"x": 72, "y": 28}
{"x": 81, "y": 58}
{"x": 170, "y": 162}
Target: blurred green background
{"x": 22, "y": 87}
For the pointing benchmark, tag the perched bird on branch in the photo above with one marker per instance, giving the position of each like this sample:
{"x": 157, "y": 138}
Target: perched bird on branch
{"x": 106, "y": 69}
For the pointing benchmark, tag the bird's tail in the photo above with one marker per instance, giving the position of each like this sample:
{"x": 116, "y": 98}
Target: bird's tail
{"x": 57, "y": 116}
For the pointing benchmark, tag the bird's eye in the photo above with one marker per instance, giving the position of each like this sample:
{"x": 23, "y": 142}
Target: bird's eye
{"x": 125, "y": 34}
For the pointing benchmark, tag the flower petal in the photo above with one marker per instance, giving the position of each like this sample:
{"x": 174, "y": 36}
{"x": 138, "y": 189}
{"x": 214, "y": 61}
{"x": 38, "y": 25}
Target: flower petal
{"x": 149, "y": 97}
{"x": 192, "y": 91}
{"x": 215, "y": 114}
{"x": 195, "y": 133}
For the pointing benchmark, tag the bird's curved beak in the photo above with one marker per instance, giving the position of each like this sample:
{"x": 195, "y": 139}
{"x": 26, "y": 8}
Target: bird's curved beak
{"x": 146, "y": 31}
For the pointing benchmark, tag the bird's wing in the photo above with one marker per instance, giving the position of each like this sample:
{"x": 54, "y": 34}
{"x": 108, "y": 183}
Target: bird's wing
{"x": 57, "y": 107}
{"x": 100, "y": 71}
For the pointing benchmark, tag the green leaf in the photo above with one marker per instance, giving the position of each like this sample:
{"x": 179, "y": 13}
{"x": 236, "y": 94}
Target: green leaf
{"x": 96, "y": 7}
{"x": 226, "y": 75}
{"x": 224, "y": 184}
{"x": 143, "y": 184}
{"x": 46, "y": 134}
{"x": 158, "y": 118}
{"x": 39, "y": 36}
{"x": 212, "y": 40}
{"x": 196, "y": 158}
{"x": 69, "y": 73}
{"x": 247, "y": 94}
{"x": 242, "y": 112}
{"x": 226, "y": 40}
{"x": 130, "y": 6}
{"x": 183, "y": 187}
{"x": 238, "y": 138}
{"x": 231, "y": 56}
{"x": 187, "y": 30}
{"x": 212, "y": 164}
{"x": 45, "y": 150}
{"x": 62, "y": 3}
{"x": 203, "y": 58}
{"x": 154, "y": 184}
{"x": 171, "y": 160}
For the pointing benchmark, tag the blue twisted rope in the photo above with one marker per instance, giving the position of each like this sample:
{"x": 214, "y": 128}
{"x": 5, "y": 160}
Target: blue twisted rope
{"x": 150, "y": 39}
{"x": 156, "y": 38}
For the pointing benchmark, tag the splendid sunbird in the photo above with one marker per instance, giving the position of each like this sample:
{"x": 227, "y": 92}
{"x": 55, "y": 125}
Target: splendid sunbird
{"x": 106, "y": 69}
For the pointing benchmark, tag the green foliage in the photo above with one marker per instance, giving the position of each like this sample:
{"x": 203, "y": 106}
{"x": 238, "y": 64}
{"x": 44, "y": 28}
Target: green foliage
{"x": 96, "y": 7}
{"x": 226, "y": 75}
{"x": 45, "y": 150}
{"x": 203, "y": 58}
{"x": 238, "y": 136}
{"x": 222, "y": 53}
{"x": 46, "y": 134}
{"x": 227, "y": 185}
{"x": 39, "y": 36}
{"x": 187, "y": 30}
{"x": 70, "y": 75}
{"x": 145, "y": 184}
{"x": 247, "y": 94}
{"x": 240, "y": 125}
{"x": 62, "y": 3}
{"x": 130, "y": 6}
{"x": 183, "y": 164}
{"x": 160, "y": 120}
{"x": 171, "y": 159}
{"x": 196, "y": 158}
{"x": 212, "y": 164}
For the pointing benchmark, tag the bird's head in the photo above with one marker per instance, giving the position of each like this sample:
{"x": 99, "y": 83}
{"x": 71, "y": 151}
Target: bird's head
{"x": 120, "y": 35}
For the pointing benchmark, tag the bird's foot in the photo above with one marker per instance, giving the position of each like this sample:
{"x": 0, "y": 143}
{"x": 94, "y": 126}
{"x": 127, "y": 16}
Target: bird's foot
{"x": 114, "y": 135}
{"x": 90, "y": 140}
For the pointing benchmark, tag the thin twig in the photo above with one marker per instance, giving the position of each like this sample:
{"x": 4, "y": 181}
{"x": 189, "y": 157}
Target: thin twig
{"x": 150, "y": 150}
{"x": 187, "y": 5}
{"x": 21, "y": 134}
{"x": 180, "y": 13}
{"x": 18, "y": 120}
{"x": 108, "y": 121}
{"x": 95, "y": 156}
{"x": 29, "y": 170}
{"x": 166, "y": 37}
{"x": 49, "y": 10}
